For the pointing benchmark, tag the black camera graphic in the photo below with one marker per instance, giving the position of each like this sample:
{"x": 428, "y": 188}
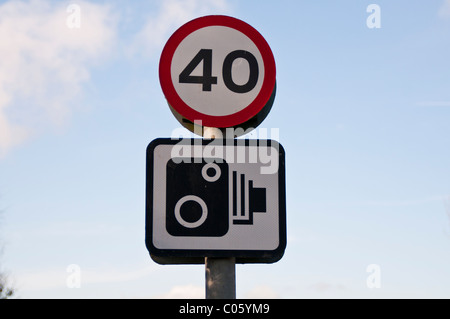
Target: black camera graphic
{"x": 202, "y": 198}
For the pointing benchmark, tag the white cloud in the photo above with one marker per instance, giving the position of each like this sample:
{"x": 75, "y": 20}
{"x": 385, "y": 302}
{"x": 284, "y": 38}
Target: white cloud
{"x": 322, "y": 287}
{"x": 172, "y": 14}
{"x": 44, "y": 63}
{"x": 57, "y": 277}
{"x": 444, "y": 11}
{"x": 184, "y": 292}
{"x": 262, "y": 292}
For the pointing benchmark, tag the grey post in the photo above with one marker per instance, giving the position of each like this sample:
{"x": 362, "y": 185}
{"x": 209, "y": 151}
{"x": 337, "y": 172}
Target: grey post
{"x": 220, "y": 273}
{"x": 220, "y": 278}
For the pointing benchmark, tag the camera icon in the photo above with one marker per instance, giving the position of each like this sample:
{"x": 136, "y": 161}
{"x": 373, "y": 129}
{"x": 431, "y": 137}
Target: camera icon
{"x": 203, "y": 198}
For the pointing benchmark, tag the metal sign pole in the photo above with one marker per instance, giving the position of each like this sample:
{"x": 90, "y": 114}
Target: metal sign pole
{"x": 220, "y": 278}
{"x": 220, "y": 273}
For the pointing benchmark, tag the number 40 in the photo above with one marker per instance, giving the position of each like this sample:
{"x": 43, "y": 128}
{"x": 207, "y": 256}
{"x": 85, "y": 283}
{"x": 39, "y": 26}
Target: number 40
{"x": 207, "y": 80}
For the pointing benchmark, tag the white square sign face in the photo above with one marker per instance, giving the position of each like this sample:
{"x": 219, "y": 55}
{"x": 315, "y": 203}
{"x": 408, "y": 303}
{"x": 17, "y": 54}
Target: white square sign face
{"x": 215, "y": 198}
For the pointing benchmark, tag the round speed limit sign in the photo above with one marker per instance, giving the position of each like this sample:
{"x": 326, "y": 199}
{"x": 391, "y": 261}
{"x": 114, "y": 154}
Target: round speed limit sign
{"x": 218, "y": 71}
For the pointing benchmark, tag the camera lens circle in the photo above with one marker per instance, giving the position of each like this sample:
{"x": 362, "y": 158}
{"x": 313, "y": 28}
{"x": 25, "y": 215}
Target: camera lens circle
{"x": 214, "y": 167}
{"x": 185, "y": 223}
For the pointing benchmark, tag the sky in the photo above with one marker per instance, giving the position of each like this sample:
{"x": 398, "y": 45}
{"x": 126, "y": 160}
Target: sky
{"x": 363, "y": 113}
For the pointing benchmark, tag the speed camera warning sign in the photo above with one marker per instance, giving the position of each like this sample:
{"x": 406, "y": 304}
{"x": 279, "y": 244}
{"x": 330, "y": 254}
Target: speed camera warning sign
{"x": 218, "y": 71}
{"x": 230, "y": 204}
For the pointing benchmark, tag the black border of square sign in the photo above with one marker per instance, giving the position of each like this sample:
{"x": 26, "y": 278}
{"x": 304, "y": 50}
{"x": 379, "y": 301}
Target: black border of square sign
{"x": 197, "y": 256}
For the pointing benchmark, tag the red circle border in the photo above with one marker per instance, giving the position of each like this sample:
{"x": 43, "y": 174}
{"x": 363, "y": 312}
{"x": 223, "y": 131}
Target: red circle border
{"x": 192, "y": 115}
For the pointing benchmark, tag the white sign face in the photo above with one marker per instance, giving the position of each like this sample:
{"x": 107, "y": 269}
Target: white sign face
{"x": 218, "y": 70}
{"x": 215, "y": 200}
{"x": 219, "y": 42}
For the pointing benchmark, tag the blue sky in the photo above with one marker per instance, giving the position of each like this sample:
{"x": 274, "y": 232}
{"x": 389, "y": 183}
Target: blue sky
{"x": 363, "y": 114}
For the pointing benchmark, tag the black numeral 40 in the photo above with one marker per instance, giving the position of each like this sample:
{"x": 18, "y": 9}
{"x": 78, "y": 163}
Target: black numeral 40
{"x": 207, "y": 79}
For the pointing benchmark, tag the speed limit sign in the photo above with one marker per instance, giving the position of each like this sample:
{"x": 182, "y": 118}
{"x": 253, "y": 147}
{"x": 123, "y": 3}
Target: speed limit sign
{"x": 218, "y": 71}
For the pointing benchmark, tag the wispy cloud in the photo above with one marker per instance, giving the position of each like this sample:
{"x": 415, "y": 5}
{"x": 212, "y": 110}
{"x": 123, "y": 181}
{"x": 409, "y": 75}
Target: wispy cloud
{"x": 326, "y": 287}
{"x": 184, "y": 292}
{"x": 198, "y": 292}
{"x": 171, "y": 15}
{"x": 262, "y": 292}
{"x": 444, "y": 11}
{"x": 387, "y": 203}
{"x": 57, "y": 277}
{"x": 434, "y": 103}
{"x": 403, "y": 203}
{"x": 44, "y": 63}
{"x": 447, "y": 206}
